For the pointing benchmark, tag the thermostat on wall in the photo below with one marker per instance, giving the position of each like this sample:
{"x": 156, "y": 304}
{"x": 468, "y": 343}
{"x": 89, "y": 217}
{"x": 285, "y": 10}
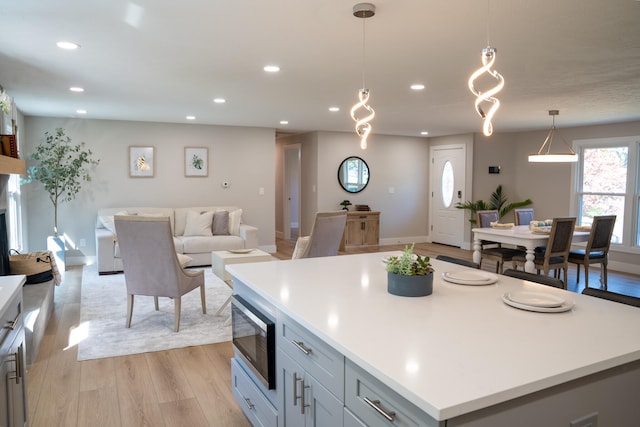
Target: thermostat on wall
{"x": 494, "y": 169}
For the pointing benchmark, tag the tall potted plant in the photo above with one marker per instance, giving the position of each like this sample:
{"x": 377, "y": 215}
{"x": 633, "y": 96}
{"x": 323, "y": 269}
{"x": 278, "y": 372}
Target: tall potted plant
{"x": 62, "y": 167}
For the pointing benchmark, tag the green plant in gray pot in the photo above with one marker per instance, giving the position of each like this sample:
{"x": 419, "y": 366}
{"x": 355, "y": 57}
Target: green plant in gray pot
{"x": 409, "y": 275}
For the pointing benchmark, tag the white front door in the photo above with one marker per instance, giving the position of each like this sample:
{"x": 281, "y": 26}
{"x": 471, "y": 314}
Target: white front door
{"x": 447, "y": 189}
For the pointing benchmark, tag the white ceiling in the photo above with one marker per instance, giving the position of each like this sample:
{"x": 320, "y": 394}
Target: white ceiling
{"x": 160, "y": 60}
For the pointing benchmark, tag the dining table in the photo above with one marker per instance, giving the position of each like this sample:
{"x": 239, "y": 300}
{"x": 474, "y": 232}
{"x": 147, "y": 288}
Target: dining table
{"x": 519, "y": 235}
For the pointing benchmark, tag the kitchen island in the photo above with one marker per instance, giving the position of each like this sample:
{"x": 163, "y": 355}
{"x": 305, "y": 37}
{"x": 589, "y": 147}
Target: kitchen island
{"x": 460, "y": 357}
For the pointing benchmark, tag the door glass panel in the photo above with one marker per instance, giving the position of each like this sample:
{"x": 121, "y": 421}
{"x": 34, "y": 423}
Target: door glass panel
{"x": 447, "y": 184}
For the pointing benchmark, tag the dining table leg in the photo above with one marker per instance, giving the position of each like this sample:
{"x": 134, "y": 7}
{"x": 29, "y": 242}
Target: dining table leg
{"x": 529, "y": 265}
{"x": 476, "y": 251}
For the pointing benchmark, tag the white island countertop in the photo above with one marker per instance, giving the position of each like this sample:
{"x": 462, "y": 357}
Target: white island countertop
{"x": 456, "y": 351}
{"x": 9, "y": 287}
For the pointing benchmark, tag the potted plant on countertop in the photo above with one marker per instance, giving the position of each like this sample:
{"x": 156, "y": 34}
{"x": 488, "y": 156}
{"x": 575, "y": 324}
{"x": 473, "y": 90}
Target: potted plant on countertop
{"x": 409, "y": 274}
{"x": 345, "y": 205}
{"x": 61, "y": 167}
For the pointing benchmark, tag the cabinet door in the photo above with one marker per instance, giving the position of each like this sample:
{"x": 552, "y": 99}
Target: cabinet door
{"x": 306, "y": 402}
{"x": 290, "y": 413}
{"x": 354, "y": 232}
{"x": 371, "y": 231}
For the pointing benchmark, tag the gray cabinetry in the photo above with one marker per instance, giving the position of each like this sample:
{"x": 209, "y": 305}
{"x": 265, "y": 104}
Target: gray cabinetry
{"x": 253, "y": 402}
{"x": 13, "y": 408}
{"x": 310, "y": 379}
{"x": 375, "y": 404}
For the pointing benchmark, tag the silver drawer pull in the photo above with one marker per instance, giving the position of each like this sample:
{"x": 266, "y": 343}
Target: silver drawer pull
{"x": 250, "y": 405}
{"x": 11, "y": 324}
{"x": 303, "y": 348}
{"x": 375, "y": 404}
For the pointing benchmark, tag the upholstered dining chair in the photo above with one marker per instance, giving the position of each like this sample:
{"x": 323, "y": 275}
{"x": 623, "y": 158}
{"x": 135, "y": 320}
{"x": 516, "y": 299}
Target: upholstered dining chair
{"x": 494, "y": 250}
{"x": 537, "y": 278}
{"x": 597, "y": 249}
{"x": 458, "y": 261}
{"x": 326, "y": 235}
{"x": 556, "y": 254}
{"x": 151, "y": 266}
{"x": 523, "y": 216}
{"x": 612, "y": 296}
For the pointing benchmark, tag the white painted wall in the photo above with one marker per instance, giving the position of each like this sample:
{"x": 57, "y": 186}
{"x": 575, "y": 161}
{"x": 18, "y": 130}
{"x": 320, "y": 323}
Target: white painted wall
{"x": 242, "y": 156}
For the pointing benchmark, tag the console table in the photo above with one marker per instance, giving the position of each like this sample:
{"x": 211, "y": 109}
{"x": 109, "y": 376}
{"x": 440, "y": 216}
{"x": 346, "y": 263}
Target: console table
{"x": 362, "y": 229}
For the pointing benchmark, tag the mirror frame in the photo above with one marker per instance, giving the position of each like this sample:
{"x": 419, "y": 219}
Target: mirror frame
{"x": 342, "y": 164}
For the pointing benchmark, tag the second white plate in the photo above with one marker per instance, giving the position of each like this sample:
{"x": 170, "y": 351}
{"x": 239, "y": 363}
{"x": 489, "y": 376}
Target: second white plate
{"x": 536, "y": 299}
{"x": 470, "y": 277}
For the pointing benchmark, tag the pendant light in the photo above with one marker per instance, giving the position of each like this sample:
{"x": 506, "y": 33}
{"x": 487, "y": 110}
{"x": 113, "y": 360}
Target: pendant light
{"x": 487, "y": 97}
{"x": 544, "y": 154}
{"x": 363, "y": 125}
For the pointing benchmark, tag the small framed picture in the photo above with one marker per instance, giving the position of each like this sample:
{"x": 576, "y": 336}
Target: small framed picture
{"x": 196, "y": 161}
{"x": 141, "y": 162}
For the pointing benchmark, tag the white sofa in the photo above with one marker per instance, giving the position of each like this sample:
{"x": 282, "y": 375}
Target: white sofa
{"x": 196, "y": 245}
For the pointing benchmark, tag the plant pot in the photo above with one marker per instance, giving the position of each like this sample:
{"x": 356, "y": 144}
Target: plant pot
{"x": 409, "y": 286}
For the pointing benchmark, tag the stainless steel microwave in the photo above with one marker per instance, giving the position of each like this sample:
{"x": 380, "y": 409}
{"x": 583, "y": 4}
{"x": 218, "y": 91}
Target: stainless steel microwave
{"x": 254, "y": 338}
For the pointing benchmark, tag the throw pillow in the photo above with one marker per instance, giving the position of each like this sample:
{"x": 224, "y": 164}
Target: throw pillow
{"x": 234, "y": 222}
{"x": 220, "y": 225}
{"x": 198, "y": 224}
{"x": 184, "y": 260}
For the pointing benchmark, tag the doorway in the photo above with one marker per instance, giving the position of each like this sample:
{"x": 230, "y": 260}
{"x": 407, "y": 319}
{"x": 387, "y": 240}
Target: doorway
{"x": 291, "y": 199}
{"x": 448, "y": 187}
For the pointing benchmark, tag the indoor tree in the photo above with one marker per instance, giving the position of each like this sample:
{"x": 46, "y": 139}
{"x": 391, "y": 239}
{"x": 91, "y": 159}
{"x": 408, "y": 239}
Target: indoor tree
{"x": 61, "y": 167}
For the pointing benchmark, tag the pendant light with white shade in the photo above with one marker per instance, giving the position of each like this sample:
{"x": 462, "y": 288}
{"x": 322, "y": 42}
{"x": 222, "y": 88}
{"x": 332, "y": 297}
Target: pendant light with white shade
{"x": 544, "y": 154}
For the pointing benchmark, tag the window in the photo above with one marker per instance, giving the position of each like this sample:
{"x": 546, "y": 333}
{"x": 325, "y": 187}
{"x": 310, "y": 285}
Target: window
{"x": 606, "y": 184}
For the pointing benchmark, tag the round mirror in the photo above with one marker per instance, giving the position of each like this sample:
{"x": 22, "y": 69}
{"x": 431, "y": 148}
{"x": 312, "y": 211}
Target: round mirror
{"x": 353, "y": 174}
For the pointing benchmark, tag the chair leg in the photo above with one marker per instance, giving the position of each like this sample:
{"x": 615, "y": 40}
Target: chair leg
{"x": 566, "y": 276}
{"x": 203, "y": 299}
{"x": 499, "y": 267}
{"x": 176, "y": 319}
{"x": 586, "y": 275}
{"x": 155, "y": 302}
{"x": 603, "y": 274}
{"x": 129, "y": 309}
{"x": 577, "y": 273}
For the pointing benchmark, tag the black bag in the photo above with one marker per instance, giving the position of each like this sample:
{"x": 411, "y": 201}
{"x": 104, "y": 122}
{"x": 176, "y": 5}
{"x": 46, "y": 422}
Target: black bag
{"x": 35, "y": 265}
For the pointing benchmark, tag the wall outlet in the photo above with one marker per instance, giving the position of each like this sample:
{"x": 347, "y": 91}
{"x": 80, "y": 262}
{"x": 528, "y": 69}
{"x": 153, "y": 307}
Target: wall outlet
{"x": 261, "y": 191}
{"x": 83, "y": 243}
{"x": 590, "y": 420}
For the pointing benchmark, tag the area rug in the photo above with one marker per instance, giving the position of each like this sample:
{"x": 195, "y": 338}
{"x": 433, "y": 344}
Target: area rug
{"x": 103, "y": 311}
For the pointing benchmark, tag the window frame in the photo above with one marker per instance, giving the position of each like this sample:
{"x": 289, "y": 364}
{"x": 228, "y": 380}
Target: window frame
{"x": 632, "y": 196}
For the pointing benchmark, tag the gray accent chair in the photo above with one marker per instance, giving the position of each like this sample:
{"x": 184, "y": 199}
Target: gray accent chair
{"x": 597, "y": 249}
{"x": 458, "y": 261}
{"x": 325, "y": 238}
{"x": 151, "y": 265}
{"x": 556, "y": 254}
{"x": 494, "y": 250}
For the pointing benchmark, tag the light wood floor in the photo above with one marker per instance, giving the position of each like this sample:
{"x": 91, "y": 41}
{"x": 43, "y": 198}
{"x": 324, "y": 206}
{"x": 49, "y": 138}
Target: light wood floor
{"x": 182, "y": 387}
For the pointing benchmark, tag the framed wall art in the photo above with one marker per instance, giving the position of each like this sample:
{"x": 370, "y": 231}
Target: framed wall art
{"x": 141, "y": 162}
{"x": 196, "y": 161}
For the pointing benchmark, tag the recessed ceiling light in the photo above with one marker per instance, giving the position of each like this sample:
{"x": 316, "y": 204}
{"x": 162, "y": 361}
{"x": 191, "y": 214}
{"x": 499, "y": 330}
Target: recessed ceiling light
{"x": 81, "y": 111}
{"x": 417, "y": 86}
{"x": 284, "y": 122}
{"x": 68, "y": 45}
{"x": 76, "y": 89}
{"x": 271, "y": 68}
{"x": 219, "y": 100}
{"x": 424, "y": 132}
{"x": 190, "y": 117}
{"x": 334, "y": 109}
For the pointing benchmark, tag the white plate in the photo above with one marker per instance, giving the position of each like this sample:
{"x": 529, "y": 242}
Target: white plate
{"x": 240, "y": 251}
{"x": 536, "y": 299}
{"x": 470, "y": 277}
{"x": 566, "y": 306}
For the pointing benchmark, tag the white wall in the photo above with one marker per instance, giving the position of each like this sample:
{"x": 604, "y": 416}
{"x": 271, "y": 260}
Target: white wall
{"x": 242, "y": 156}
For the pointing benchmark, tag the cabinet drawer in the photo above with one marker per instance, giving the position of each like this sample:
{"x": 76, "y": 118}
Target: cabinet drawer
{"x": 11, "y": 321}
{"x": 385, "y": 407}
{"x": 253, "y": 403}
{"x": 314, "y": 356}
{"x": 351, "y": 420}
